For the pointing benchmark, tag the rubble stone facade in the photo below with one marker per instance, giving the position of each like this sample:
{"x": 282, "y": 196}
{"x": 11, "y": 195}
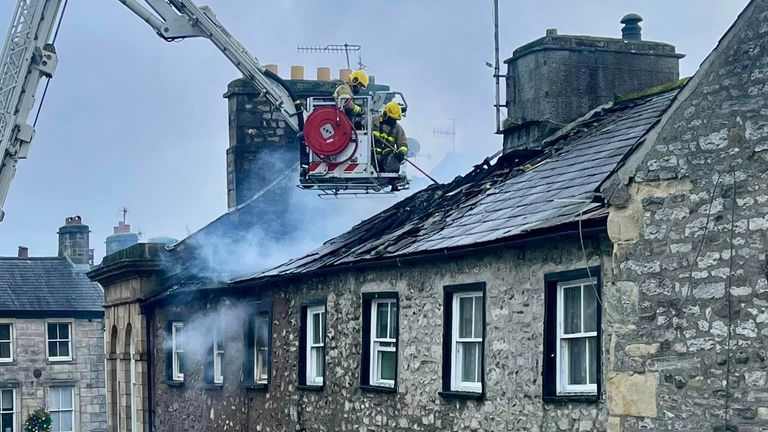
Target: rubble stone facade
{"x": 689, "y": 224}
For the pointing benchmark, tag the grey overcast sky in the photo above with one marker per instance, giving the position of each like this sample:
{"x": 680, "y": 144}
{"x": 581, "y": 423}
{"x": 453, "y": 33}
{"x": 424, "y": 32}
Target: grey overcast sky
{"x": 133, "y": 121}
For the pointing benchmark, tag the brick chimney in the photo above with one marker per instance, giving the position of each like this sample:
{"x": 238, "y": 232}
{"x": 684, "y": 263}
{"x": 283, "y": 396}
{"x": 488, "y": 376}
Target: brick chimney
{"x": 23, "y": 252}
{"x": 554, "y": 80}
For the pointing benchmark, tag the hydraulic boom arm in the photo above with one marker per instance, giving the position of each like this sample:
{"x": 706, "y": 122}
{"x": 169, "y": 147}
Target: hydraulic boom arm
{"x": 28, "y": 57}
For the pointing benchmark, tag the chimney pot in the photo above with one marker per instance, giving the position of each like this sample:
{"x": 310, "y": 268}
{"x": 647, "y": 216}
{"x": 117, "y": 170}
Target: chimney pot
{"x": 23, "y": 252}
{"x": 272, "y": 68}
{"x": 552, "y": 32}
{"x": 632, "y": 30}
{"x": 323, "y": 74}
{"x": 297, "y": 72}
{"x": 344, "y": 74}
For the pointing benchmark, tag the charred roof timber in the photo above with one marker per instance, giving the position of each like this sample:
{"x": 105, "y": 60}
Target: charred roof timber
{"x": 558, "y": 78}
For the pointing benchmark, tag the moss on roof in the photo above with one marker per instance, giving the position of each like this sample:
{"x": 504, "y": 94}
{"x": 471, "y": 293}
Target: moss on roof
{"x": 653, "y": 90}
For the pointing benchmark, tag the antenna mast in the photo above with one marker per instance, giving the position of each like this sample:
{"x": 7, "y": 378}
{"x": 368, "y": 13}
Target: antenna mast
{"x": 496, "y": 70}
{"x": 337, "y": 48}
{"x": 448, "y": 133}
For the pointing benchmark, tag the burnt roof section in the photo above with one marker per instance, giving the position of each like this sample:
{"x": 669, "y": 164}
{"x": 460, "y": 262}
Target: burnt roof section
{"x": 509, "y": 199}
{"x": 46, "y": 285}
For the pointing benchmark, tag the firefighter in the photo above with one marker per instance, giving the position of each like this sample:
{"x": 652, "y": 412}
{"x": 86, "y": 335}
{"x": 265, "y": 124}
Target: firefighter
{"x": 390, "y": 143}
{"x": 355, "y": 83}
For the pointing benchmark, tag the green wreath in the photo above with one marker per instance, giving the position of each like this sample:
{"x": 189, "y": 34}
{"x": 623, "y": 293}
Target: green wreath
{"x": 38, "y": 421}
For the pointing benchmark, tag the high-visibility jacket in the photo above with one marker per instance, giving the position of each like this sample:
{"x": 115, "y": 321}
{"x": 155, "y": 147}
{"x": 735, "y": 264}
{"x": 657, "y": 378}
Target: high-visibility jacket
{"x": 393, "y": 136}
{"x": 344, "y": 96}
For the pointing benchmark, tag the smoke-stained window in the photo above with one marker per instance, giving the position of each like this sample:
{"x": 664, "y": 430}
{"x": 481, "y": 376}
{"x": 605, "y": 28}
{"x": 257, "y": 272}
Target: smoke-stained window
{"x": 312, "y": 345}
{"x": 380, "y": 334}
{"x": 174, "y": 351}
{"x": 258, "y": 346}
{"x": 218, "y": 356}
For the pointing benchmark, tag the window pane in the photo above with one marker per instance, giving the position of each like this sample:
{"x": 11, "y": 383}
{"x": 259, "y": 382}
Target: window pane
{"x": 590, "y": 308}
{"x": 65, "y": 421}
{"x": 593, "y": 356}
{"x": 262, "y": 332}
{"x": 577, "y": 357}
{"x": 318, "y": 360}
{"x": 393, "y": 320}
{"x": 382, "y": 313}
{"x": 317, "y": 328}
{"x": 478, "y": 330}
{"x": 63, "y": 331}
{"x": 5, "y": 332}
{"x": 469, "y": 364}
{"x": 63, "y": 349}
{"x": 55, "y": 420}
{"x": 466, "y": 308}
{"x": 52, "y": 333}
{"x": 7, "y": 422}
{"x": 5, "y": 350}
{"x": 6, "y": 403}
{"x": 387, "y": 361}
{"x": 572, "y": 310}
{"x": 66, "y": 397}
{"x": 52, "y": 349}
{"x": 54, "y": 398}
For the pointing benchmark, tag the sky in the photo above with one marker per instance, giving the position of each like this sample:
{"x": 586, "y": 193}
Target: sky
{"x": 133, "y": 121}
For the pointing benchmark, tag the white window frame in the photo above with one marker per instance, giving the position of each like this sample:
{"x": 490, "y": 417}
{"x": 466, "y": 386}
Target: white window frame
{"x": 457, "y": 345}
{"x": 379, "y": 345}
{"x": 311, "y": 378}
{"x": 71, "y": 326}
{"x": 14, "y": 409}
{"x": 177, "y": 349}
{"x": 60, "y": 410}
{"x": 218, "y": 358}
{"x": 11, "y": 342}
{"x": 563, "y": 388}
{"x": 261, "y": 376}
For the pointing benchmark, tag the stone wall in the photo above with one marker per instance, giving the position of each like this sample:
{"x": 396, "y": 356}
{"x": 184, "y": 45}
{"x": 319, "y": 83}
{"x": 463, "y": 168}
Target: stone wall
{"x": 690, "y": 231}
{"x": 514, "y": 341}
{"x": 85, "y": 372}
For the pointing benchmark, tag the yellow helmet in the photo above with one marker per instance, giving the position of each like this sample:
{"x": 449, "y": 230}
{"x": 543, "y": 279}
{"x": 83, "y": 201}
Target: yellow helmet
{"x": 359, "y": 77}
{"x": 393, "y": 110}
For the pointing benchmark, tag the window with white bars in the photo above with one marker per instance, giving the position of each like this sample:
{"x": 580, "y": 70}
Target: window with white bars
{"x": 261, "y": 328}
{"x": 577, "y": 353}
{"x": 7, "y": 410}
{"x": 467, "y": 342}
{"x": 177, "y": 351}
{"x": 61, "y": 406}
{"x": 383, "y": 368}
{"x": 6, "y": 343}
{"x": 59, "y": 341}
{"x": 218, "y": 357}
{"x": 315, "y": 345}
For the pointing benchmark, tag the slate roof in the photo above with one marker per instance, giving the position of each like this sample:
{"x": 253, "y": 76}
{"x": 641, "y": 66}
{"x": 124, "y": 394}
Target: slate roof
{"x": 46, "y": 284}
{"x": 508, "y": 199}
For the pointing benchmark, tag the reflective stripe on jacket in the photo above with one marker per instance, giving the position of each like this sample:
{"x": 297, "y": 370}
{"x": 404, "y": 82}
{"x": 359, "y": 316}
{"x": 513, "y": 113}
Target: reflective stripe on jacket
{"x": 343, "y": 95}
{"x": 394, "y": 136}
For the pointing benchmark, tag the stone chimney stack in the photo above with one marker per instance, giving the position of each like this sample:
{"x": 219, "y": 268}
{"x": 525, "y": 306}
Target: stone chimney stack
{"x": 23, "y": 252}
{"x": 121, "y": 239}
{"x": 74, "y": 241}
{"x": 556, "y": 79}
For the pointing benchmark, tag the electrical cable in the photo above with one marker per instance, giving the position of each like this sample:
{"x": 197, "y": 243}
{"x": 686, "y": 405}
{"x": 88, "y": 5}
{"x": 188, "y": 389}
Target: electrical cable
{"x": 695, "y": 258}
{"x": 729, "y": 302}
{"x": 586, "y": 264}
{"x": 48, "y": 81}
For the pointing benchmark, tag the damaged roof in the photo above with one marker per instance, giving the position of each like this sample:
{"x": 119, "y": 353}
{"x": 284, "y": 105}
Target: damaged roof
{"x": 501, "y": 201}
{"x": 48, "y": 284}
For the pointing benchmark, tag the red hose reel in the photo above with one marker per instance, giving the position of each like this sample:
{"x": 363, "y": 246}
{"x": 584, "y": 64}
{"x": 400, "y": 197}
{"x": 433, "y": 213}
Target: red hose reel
{"x": 328, "y": 132}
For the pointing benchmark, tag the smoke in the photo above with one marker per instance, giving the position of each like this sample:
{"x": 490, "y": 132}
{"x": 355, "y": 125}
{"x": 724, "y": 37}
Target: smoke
{"x": 196, "y": 338}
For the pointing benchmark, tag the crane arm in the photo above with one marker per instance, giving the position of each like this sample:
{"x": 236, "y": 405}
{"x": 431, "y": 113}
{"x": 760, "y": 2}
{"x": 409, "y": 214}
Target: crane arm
{"x": 181, "y": 19}
{"x": 27, "y": 58}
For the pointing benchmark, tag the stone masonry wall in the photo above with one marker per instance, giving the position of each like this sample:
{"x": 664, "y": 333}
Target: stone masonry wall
{"x": 514, "y": 341}
{"x": 690, "y": 234}
{"x": 85, "y": 372}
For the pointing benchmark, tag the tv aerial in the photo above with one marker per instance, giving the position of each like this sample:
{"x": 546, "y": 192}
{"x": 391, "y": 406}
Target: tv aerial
{"x": 337, "y": 48}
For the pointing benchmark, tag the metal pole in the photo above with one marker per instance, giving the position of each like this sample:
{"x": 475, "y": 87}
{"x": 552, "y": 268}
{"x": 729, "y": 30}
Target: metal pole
{"x": 496, "y": 65}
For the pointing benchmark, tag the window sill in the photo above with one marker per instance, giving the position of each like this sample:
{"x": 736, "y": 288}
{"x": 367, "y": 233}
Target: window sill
{"x": 173, "y": 383}
{"x": 216, "y": 386}
{"x": 462, "y": 395}
{"x": 254, "y": 386}
{"x": 314, "y": 388}
{"x": 571, "y": 398}
{"x": 60, "y": 361}
{"x": 378, "y": 389}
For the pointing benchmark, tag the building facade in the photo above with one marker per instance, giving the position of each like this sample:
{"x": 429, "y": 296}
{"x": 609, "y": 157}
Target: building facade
{"x": 609, "y": 277}
{"x": 51, "y": 343}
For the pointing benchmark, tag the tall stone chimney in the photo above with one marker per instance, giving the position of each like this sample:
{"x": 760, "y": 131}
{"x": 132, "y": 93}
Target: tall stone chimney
{"x": 554, "y": 80}
{"x": 74, "y": 241}
{"x": 23, "y": 252}
{"x": 121, "y": 238}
